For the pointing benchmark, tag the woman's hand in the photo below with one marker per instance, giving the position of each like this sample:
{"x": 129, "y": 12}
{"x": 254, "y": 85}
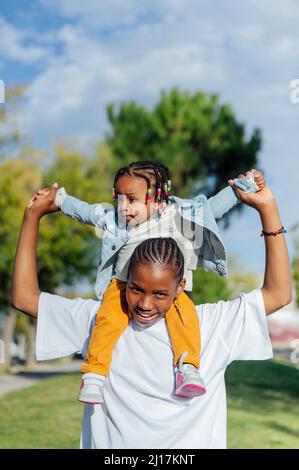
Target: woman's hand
{"x": 256, "y": 200}
{"x": 43, "y": 202}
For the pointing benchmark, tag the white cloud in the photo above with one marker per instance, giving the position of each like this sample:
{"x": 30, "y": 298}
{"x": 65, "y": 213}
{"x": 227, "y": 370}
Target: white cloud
{"x": 245, "y": 51}
{"x": 12, "y": 44}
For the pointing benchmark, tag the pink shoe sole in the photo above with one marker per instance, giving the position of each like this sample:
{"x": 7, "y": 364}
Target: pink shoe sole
{"x": 190, "y": 391}
{"x": 92, "y": 402}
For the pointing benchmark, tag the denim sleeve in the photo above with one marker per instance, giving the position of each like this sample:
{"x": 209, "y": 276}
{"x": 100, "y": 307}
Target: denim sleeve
{"x": 223, "y": 201}
{"x": 91, "y": 214}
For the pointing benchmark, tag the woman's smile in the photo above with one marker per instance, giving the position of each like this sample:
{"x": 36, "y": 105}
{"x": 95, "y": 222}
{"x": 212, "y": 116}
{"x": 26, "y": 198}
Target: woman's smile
{"x": 143, "y": 317}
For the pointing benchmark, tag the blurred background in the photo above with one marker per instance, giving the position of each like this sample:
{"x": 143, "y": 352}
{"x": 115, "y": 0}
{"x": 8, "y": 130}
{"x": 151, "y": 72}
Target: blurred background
{"x": 207, "y": 88}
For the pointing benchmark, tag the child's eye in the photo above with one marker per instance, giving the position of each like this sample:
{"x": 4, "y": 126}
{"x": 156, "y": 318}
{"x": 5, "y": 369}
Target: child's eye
{"x": 132, "y": 199}
{"x": 160, "y": 295}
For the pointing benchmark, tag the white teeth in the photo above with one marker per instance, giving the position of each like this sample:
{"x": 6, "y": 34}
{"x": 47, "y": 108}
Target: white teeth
{"x": 144, "y": 315}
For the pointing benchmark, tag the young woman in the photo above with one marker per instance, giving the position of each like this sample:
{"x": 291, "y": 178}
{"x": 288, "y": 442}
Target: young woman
{"x": 141, "y": 410}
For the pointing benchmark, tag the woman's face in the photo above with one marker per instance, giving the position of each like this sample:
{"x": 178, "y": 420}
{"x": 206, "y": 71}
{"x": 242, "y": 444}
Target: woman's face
{"x": 150, "y": 292}
{"x": 132, "y": 204}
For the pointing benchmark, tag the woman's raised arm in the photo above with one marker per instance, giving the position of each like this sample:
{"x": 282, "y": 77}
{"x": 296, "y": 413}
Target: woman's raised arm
{"x": 25, "y": 289}
{"x": 277, "y": 286}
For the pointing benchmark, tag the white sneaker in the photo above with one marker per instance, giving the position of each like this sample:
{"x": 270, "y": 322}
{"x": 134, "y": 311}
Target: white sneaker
{"x": 91, "y": 390}
{"x": 189, "y": 383}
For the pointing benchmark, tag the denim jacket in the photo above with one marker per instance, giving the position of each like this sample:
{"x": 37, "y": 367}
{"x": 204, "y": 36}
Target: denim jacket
{"x": 197, "y": 219}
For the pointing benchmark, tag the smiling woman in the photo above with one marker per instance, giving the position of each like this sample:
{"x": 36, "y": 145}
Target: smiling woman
{"x": 139, "y": 392}
{"x": 161, "y": 261}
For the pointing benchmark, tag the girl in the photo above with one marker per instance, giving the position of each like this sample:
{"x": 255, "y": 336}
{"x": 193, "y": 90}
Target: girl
{"x": 145, "y": 210}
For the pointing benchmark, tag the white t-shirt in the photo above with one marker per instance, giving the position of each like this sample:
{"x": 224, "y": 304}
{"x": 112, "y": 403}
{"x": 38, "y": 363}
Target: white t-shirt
{"x": 140, "y": 409}
{"x": 164, "y": 227}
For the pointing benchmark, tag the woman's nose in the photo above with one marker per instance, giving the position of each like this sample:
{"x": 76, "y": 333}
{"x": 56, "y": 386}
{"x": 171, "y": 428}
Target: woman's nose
{"x": 145, "y": 304}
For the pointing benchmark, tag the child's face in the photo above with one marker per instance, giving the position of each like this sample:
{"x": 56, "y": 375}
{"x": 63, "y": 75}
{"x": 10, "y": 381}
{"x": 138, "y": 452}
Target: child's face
{"x": 150, "y": 292}
{"x": 133, "y": 207}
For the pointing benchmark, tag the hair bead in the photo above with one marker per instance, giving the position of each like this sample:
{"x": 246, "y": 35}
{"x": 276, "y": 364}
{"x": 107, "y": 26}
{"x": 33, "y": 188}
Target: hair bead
{"x": 159, "y": 194}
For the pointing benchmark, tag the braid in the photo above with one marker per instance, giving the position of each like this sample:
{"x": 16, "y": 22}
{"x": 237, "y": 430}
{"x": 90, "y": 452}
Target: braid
{"x": 163, "y": 251}
{"x": 154, "y": 174}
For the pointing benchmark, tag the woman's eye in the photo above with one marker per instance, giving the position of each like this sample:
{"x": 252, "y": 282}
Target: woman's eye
{"x": 135, "y": 289}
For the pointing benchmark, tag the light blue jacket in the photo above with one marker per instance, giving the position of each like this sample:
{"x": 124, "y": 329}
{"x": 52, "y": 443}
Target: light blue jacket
{"x": 197, "y": 219}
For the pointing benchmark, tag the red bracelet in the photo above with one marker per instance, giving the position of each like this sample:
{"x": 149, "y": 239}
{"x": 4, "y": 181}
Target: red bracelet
{"x": 269, "y": 234}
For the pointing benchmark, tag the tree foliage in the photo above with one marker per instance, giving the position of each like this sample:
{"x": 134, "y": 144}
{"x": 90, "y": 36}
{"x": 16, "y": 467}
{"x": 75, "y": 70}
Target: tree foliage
{"x": 196, "y": 136}
{"x": 208, "y": 288}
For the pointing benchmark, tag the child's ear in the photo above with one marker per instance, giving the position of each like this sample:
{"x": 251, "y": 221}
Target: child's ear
{"x": 181, "y": 287}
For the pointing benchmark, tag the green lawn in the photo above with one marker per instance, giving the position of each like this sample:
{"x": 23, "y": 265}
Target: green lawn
{"x": 263, "y": 405}
{"x": 263, "y": 400}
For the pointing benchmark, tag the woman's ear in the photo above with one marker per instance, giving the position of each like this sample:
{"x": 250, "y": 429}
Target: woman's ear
{"x": 181, "y": 287}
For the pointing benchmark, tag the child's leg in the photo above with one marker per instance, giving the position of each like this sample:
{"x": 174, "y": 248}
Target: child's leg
{"x": 184, "y": 330}
{"x": 112, "y": 320}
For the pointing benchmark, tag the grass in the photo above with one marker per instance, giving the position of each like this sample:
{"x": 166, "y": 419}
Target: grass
{"x": 263, "y": 410}
{"x": 263, "y": 405}
{"x": 46, "y": 415}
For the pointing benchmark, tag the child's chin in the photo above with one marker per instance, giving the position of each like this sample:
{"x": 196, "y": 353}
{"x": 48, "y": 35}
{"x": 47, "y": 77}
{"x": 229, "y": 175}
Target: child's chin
{"x": 133, "y": 222}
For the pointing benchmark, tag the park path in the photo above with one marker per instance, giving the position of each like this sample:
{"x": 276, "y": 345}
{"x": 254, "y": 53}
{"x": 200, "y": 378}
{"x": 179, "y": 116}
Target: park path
{"x": 23, "y": 378}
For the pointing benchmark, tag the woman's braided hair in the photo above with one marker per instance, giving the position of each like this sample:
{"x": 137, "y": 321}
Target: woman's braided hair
{"x": 154, "y": 174}
{"x": 163, "y": 251}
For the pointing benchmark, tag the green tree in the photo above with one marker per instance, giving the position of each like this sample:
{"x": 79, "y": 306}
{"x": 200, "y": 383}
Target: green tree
{"x": 209, "y": 288}
{"x": 18, "y": 181}
{"x": 67, "y": 250}
{"x": 197, "y": 137}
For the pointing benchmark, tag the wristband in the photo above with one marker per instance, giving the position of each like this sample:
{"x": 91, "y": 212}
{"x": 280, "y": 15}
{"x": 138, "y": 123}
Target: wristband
{"x": 273, "y": 234}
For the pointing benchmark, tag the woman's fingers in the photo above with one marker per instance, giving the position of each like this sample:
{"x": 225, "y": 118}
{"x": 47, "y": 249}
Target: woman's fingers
{"x": 258, "y": 178}
{"x": 43, "y": 191}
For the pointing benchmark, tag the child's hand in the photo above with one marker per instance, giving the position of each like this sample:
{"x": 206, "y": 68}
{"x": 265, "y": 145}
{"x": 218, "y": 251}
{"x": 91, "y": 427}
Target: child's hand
{"x": 253, "y": 181}
{"x": 42, "y": 202}
{"x": 263, "y": 196}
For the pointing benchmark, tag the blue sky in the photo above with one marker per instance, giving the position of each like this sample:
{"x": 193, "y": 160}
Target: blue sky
{"x": 76, "y": 56}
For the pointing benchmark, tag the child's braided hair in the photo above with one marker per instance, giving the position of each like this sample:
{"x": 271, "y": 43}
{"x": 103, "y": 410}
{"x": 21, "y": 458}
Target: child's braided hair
{"x": 163, "y": 251}
{"x": 156, "y": 175}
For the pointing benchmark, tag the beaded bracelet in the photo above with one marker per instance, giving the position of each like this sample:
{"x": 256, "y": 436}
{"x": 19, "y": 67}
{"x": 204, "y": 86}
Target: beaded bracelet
{"x": 269, "y": 234}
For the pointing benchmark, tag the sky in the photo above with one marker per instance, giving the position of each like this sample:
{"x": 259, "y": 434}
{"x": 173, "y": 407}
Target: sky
{"x": 77, "y": 56}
